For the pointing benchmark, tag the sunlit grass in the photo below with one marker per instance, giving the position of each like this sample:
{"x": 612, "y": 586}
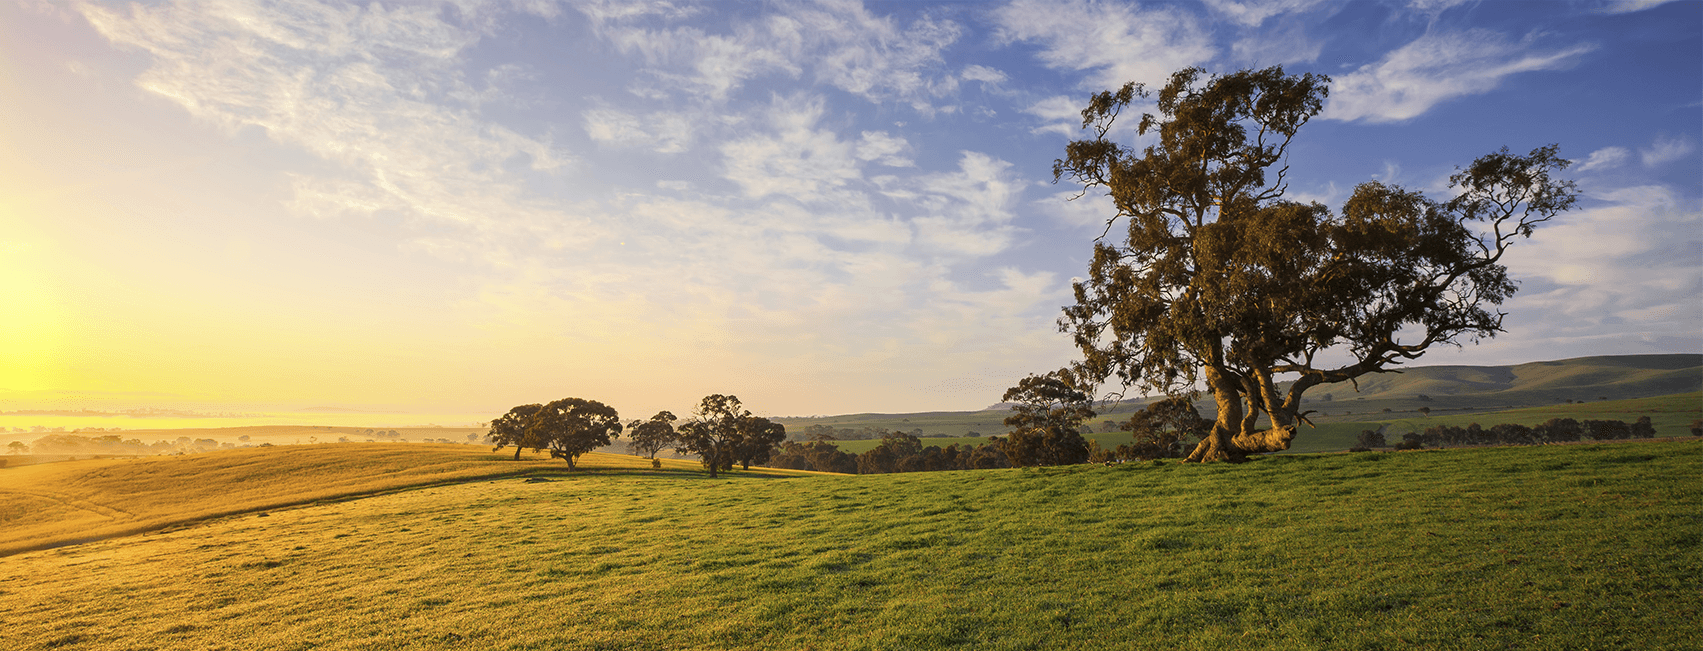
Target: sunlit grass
{"x": 49, "y": 504}
{"x": 1589, "y": 546}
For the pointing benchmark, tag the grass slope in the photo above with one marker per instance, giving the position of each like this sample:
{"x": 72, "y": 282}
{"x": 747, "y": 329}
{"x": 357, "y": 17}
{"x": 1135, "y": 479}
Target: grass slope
{"x": 1561, "y": 547}
{"x": 53, "y": 504}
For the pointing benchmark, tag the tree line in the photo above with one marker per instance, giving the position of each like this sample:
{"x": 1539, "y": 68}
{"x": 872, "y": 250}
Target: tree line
{"x": 721, "y": 432}
{"x": 1554, "y": 430}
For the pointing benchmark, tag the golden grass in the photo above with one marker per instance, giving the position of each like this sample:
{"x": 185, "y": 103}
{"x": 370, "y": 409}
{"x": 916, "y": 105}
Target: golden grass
{"x": 49, "y": 505}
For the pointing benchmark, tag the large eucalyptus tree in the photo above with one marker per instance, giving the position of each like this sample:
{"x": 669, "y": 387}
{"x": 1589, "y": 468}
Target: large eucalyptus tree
{"x": 1217, "y": 280}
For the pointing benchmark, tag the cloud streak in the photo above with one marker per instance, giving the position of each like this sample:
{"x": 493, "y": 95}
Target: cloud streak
{"x": 1436, "y": 68}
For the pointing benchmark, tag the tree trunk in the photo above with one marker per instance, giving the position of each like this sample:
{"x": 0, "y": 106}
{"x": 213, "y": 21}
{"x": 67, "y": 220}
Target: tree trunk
{"x": 1233, "y": 436}
{"x": 517, "y": 453}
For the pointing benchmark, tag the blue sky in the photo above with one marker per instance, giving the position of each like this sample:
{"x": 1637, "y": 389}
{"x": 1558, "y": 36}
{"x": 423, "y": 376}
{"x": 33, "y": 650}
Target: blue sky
{"x": 820, "y": 207}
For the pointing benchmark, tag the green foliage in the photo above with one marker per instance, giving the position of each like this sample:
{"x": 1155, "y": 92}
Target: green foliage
{"x": 511, "y": 429}
{"x": 647, "y": 437}
{"x": 722, "y": 432}
{"x": 571, "y": 427}
{"x": 1219, "y": 279}
{"x": 1046, "y": 420}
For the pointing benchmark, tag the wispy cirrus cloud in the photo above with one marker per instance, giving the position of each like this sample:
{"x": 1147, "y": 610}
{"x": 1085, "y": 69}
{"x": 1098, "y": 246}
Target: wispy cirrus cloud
{"x": 1665, "y": 150}
{"x": 1605, "y": 158}
{"x": 1115, "y": 43}
{"x": 1434, "y": 68}
{"x": 1251, "y": 13}
{"x": 1623, "y": 272}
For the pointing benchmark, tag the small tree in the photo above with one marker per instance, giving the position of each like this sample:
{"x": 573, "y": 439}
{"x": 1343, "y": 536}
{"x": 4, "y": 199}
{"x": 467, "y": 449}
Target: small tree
{"x": 758, "y": 437}
{"x": 649, "y": 437}
{"x": 1047, "y": 414}
{"x": 714, "y": 431}
{"x": 571, "y": 427}
{"x": 1642, "y": 429}
{"x": 17, "y": 447}
{"x": 1163, "y": 427}
{"x": 510, "y": 429}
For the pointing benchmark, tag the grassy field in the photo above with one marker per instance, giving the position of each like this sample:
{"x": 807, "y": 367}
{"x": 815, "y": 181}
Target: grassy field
{"x": 1591, "y": 546}
{"x": 53, "y": 503}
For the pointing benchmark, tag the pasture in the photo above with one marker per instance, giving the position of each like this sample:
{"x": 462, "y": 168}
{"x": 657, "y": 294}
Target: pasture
{"x": 1565, "y": 547}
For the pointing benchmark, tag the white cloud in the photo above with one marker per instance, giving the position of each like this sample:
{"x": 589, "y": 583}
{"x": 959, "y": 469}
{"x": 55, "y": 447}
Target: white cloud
{"x": 1665, "y": 150}
{"x": 794, "y": 158}
{"x": 1435, "y": 68}
{"x": 663, "y": 132}
{"x": 1060, "y": 114}
{"x": 841, "y": 44}
{"x": 968, "y": 212}
{"x": 1086, "y": 211}
{"x": 1119, "y": 43}
{"x": 1283, "y": 45}
{"x": 1629, "y": 6}
{"x": 1626, "y": 270}
{"x": 983, "y": 74}
{"x": 883, "y": 148}
{"x": 378, "y": 91}
{"x": 1605, "y": 158}
{"x": 1252, "y": 13}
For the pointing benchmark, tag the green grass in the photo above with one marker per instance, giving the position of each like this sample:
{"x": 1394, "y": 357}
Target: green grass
{"x": 1591, "y": 546}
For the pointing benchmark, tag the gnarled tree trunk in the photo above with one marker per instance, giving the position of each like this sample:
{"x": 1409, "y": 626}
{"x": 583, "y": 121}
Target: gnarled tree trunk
{"x": 1233, "y": 435}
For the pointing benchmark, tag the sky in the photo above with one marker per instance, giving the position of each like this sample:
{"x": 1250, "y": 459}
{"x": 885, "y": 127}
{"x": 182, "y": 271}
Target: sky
{"x": 259, "y": 209}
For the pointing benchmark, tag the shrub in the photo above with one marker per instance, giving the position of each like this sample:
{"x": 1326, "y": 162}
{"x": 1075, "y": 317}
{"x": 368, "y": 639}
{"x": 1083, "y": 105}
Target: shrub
{"x": 1371, "y": 439}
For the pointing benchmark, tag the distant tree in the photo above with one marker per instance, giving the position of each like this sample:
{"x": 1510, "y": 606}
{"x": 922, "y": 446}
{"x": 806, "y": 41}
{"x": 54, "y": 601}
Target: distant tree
{"x": 1425, "y": 411}
{"x": 510, "y": 429}
{"x": 886, "y": 457}
{"x": 1046, "y": 420}
{"x": 758, "y": 438}
{"x": 648, "y": 437}
{"x": 827, "y": 457}
{"x": 1161, "y": 429}
{"x": 1218, "y": 280}
{"x": 1697, "y": 427}
{"x": 713, "y": 432}
{"x": 1424, "y": 398}
{"x": 17, "y": 447}
{"x": 819, "y": 432}
{"x": 1642, "y": 429}
{"x": 792, "y": 456}
{"x": 1371, "y": 439}
{"x": 571, "y": 427}
{"x": 1559, "y": 430}
{"x": 1607, "y": 429}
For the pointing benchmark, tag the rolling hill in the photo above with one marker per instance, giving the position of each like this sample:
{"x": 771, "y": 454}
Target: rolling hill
{"x": 1535, "y": 384}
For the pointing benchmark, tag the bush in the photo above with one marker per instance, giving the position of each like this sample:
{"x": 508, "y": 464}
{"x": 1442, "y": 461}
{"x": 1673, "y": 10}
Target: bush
{"x": 1371, "y": 439}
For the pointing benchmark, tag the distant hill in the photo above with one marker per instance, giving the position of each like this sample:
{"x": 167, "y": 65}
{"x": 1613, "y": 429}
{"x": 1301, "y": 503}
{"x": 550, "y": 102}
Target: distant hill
{"x": 1440, "y": 388}
{"x": 1611, "y": 377}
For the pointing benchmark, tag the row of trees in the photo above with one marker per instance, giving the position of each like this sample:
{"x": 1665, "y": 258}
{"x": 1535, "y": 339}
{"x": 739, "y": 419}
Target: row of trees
{"x": 721, "y": 432}
{"x": 1554, "y": 430}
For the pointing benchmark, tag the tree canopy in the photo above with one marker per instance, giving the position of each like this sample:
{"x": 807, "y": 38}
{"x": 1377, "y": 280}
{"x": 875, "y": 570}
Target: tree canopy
{"x": 1217, "y": 280}
{"x": 1046, "y": 421}
{"x": 571, "y": 427}
{"x": 648, "y": 437}
{"x": 510, "y": 429}
{"x": 722, "y": 432}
